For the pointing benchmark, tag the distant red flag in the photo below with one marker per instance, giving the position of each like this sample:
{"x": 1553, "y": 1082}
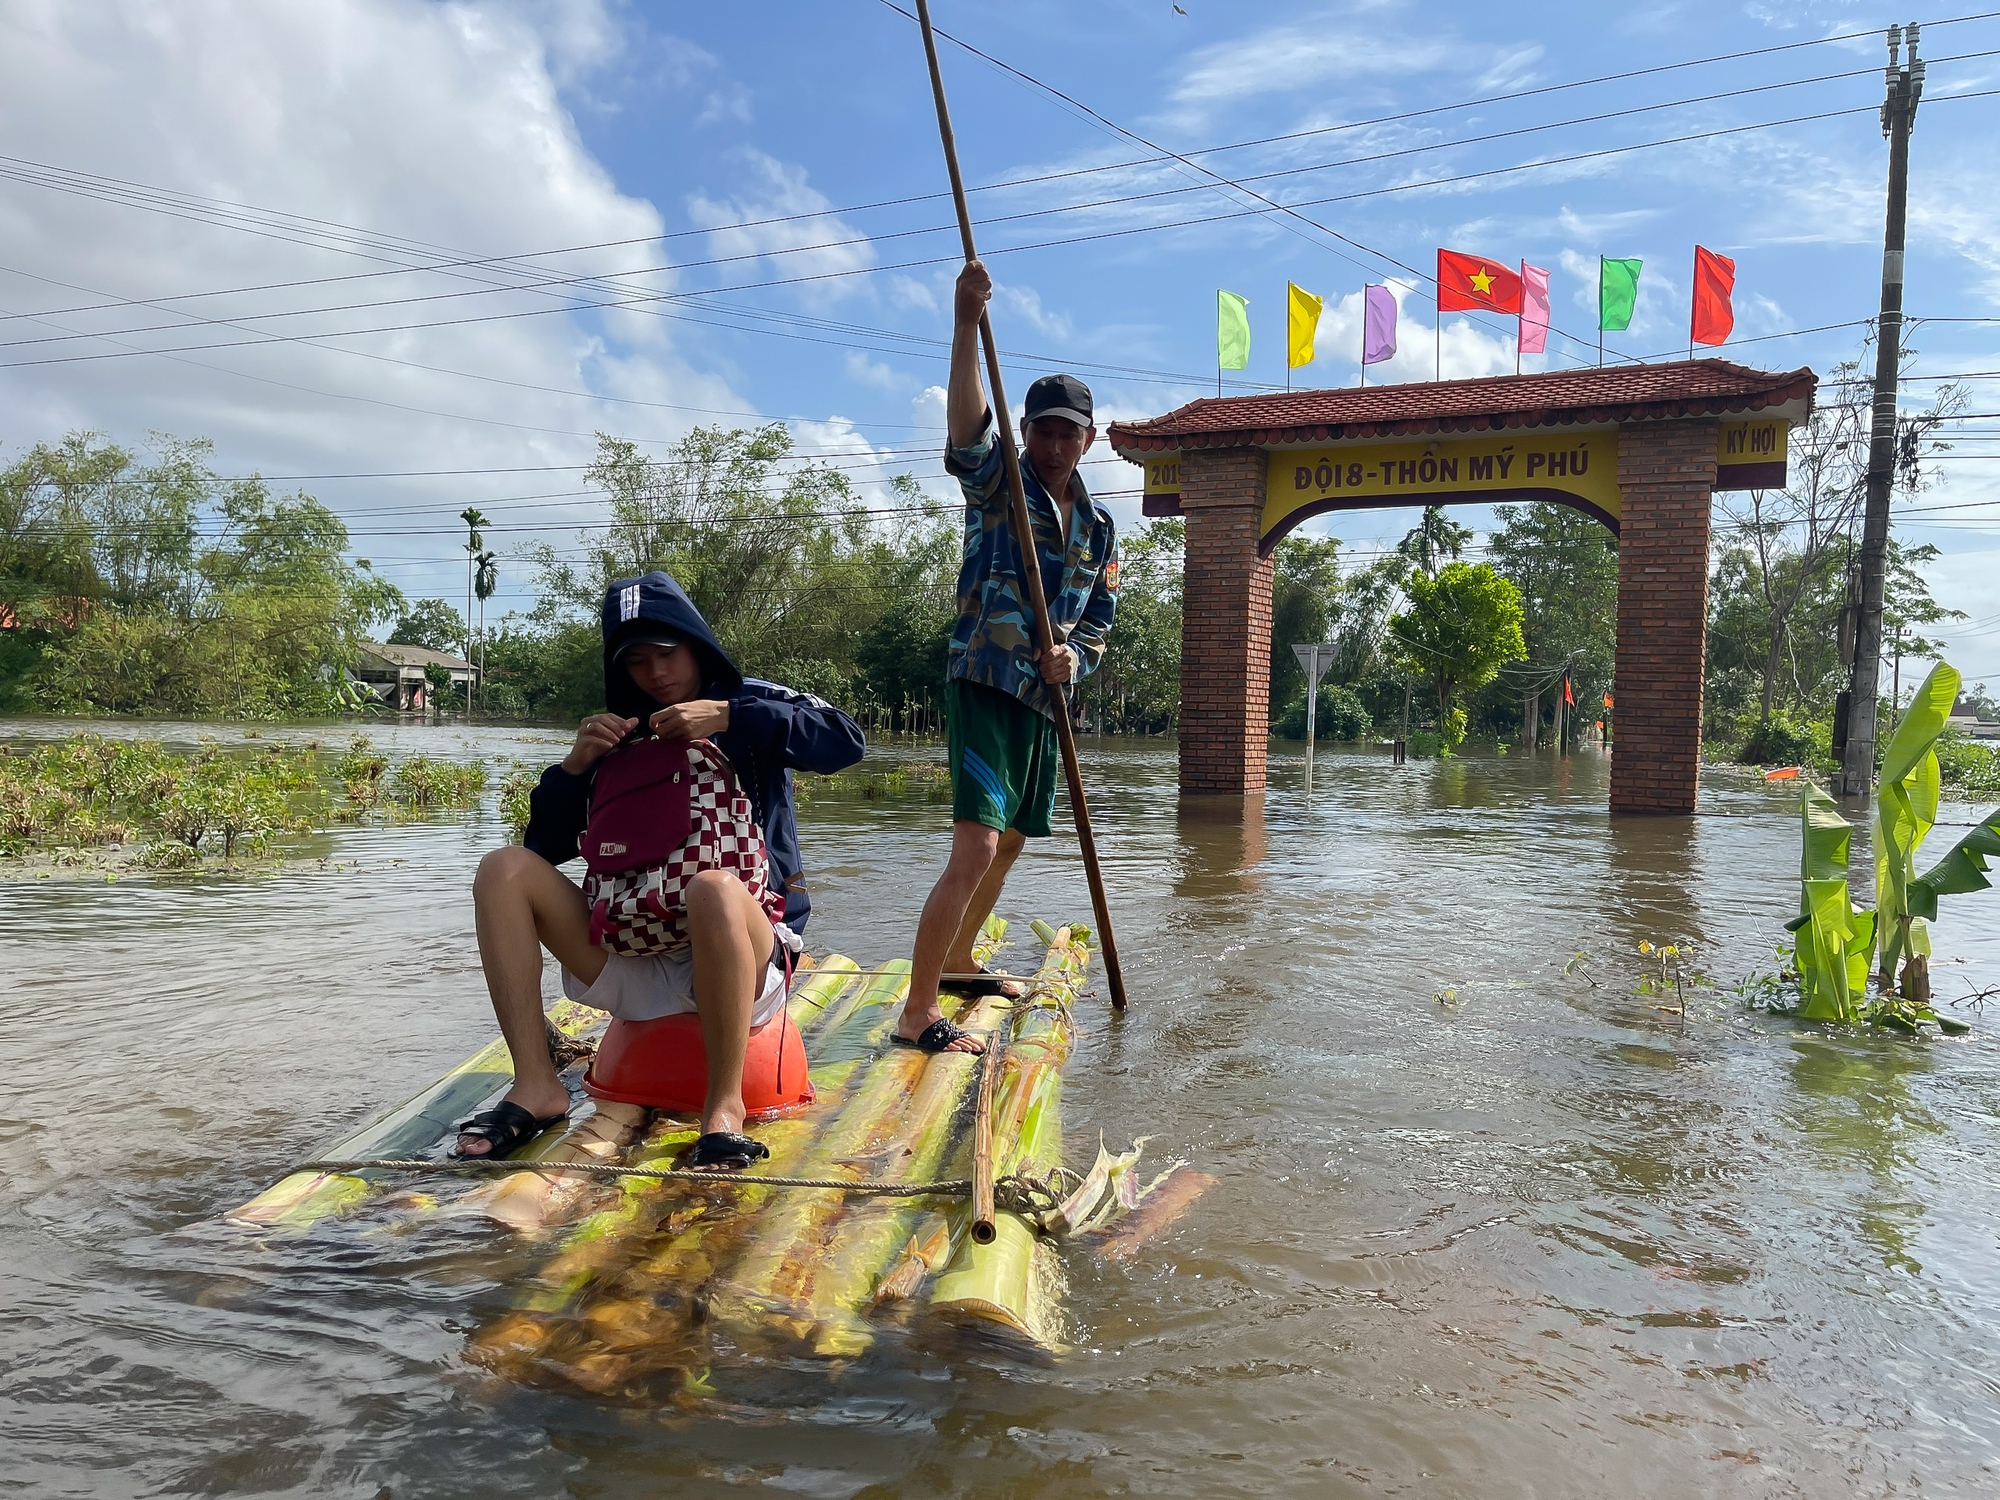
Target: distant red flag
{"x": 1468, "y": 283}
{"x": 1714, "y": 282}
{"x": 1568, "y": 697}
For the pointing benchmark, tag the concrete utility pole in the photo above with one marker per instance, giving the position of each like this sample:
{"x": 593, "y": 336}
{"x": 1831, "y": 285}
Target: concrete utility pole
{"x": 1899, "y": 113}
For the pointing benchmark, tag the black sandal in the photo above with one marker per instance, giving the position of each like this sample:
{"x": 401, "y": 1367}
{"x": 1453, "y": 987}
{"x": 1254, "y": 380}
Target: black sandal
{"x": 724, "y": 1151}
{"x": 938, "y": 1037}
{"x": 507, "y": 1126}
{"x": 986, "y": 982}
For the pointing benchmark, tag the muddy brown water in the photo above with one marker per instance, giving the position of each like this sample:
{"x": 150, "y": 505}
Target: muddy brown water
{"x": 1481, "y": 1228}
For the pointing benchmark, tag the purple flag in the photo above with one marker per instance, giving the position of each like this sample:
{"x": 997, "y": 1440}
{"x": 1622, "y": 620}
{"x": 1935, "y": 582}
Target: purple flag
{"x": 1378, "y": 325}
{"x": 1534, "y": 334}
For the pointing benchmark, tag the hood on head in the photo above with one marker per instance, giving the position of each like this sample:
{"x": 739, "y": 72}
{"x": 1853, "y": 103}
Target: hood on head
{"x": 650, "y": 602}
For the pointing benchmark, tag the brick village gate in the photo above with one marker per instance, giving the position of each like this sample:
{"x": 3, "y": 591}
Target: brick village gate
{"x": 1640, "y": 447}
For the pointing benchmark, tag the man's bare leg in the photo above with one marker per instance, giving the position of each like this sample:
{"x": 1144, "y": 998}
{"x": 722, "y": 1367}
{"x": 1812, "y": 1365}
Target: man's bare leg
{"x": 732, "y": 941}
{"x": 521, "y": 904}
{"x": 973, "y": 846}
{"x": 958, "y": 957}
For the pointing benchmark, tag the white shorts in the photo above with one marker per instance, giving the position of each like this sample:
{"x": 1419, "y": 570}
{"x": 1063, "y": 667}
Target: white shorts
{"x": 662, "y": 984}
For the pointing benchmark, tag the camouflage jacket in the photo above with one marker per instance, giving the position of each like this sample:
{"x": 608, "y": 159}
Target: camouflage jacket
{"x": 994, "y": 642}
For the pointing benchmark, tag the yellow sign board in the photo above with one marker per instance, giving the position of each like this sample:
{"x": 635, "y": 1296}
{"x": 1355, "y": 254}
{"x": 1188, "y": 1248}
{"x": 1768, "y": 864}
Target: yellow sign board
{"x": 1578, "y": 468}
{"x": 1751, "y": 455}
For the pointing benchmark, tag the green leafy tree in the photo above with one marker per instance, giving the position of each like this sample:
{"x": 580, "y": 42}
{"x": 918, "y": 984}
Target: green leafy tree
{"x": 778, "y": 553}
{"x": 1435, "y": 540}
{"x": 430, "y": 623}
{"x": 1565, "y": 565}
{"x": 1457, "y": 631}
{"x": 1137, "y": 687}
{"x": 162, "y": 589}
{"x": 1305, "y": 593}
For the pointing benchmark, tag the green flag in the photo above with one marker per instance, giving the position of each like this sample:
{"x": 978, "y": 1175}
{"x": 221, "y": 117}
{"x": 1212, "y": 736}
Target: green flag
{"x": 1617, "y": 290}
{"x": 1232, "y": 331}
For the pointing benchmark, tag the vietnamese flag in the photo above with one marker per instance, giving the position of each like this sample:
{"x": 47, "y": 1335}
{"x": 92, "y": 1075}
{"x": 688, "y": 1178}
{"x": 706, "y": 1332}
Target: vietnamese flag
{"x": 1714, "y": 281}
{"x": 1469, "y": 283}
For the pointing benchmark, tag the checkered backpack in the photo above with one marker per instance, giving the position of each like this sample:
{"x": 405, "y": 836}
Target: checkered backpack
{"x": 661, "y": 812}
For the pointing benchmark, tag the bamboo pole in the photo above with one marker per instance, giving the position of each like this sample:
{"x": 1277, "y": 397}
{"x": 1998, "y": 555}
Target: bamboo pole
{"x": 982, "y": 1152}
{"x": 1024, "y": 533}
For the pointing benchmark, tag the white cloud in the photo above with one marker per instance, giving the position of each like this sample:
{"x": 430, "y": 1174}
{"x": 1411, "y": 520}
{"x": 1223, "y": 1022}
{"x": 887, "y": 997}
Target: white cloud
{"x": 865, "y": 371}
{"x": 776, "y": 191}
{"x": 440, "y": 124}
{"x": 1025, "y": 303}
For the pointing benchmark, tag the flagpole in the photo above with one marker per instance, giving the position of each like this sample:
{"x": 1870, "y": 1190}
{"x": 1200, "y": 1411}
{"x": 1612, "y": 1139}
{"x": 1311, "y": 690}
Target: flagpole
{"x": 1437, "y": 334}
{"x": 1518, "y": 316}
{"x": 1364, "y": 335}
{"x": 1691, "y": 296}
{"x": 1600, "y": 312}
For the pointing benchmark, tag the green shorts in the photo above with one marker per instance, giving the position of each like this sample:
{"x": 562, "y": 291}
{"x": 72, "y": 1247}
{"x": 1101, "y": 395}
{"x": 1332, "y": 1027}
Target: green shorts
{"x": 1002, "y": 755}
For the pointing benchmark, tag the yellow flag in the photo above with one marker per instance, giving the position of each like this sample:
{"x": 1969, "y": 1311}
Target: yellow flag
{"x": 1304, "y": 322}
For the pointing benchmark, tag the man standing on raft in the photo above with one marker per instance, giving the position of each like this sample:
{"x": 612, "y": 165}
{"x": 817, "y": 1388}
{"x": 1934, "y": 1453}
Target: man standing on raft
{"x": 1001, "y": 692}
{"x": 664, "y": 674}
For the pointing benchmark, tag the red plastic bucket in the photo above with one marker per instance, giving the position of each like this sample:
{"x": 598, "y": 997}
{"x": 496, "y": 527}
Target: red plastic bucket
{"x": 663, "y": 1065}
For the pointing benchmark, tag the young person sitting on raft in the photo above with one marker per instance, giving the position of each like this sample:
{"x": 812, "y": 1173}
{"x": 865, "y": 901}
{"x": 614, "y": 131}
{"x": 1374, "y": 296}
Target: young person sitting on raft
{"x": 664, "y": 675}
{"x": 1001, "y": 692}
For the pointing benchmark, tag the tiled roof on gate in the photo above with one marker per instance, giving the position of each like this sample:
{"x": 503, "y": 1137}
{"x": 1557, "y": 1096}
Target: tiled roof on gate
{"x": 1556, "y": 398}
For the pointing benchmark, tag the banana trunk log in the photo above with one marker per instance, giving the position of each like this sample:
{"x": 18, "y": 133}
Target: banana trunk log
{"x": 1011, "y": 1287}
{"x": 414, "y": 1129}
{"x": 630, "y": 1293}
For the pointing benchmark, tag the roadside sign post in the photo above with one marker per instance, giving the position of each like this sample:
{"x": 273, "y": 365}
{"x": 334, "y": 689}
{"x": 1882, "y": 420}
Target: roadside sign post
{"x": 1315, "y": 661}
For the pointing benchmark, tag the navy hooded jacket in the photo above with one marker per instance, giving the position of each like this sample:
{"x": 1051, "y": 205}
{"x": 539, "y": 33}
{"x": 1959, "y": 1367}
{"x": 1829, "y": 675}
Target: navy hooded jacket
{"x": 772, "y": 732}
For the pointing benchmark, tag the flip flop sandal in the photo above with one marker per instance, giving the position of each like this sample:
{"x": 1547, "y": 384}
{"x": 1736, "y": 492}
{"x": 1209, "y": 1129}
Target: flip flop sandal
{"x": 724, "y": 1151}
{"x": 507, "y": 1126}
{"x": 986, "y": 982}
{"x": 937, "y": 1037}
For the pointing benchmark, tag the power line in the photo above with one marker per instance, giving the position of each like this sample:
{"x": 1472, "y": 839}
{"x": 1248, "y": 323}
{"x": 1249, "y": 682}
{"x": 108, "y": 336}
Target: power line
{"x": 640, "y": 302}
{"x": 1072, "y": 208}
{"x": 103, "y": 184}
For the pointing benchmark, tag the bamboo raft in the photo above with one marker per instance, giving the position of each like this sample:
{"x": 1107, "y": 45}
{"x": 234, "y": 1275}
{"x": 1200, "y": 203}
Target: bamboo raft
{"x": 644, "y": 1276}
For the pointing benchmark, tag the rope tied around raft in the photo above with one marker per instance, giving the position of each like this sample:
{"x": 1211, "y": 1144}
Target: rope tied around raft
{"x": 1031, "y": 1196}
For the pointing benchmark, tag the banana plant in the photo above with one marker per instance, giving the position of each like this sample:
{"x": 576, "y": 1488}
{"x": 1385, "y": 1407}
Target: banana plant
{"x": 1833, "y": 940}
{"x": 1962, "y": 870}
{"x": 1905, "y": 812}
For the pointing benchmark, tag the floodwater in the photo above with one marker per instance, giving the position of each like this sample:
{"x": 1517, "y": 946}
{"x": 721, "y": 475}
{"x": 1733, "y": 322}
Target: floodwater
{"x": 1482, "y": 1227}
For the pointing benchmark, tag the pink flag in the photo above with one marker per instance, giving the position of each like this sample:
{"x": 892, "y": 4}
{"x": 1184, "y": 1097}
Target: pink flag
{"x": 1378, "y": 325}
{"x": 1534, "y": 309}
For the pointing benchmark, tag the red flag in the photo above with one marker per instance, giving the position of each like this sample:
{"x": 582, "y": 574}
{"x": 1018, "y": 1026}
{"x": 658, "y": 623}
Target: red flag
{"x": 1568, "y": 697}
{"x": 1474, "y": 283}
{"x": 1714, "y": 281}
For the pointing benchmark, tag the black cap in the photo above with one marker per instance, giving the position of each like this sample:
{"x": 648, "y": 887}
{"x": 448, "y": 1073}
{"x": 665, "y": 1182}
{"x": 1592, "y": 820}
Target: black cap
{"x": 1059, "y": 396}
{"x": 665, "y": 639}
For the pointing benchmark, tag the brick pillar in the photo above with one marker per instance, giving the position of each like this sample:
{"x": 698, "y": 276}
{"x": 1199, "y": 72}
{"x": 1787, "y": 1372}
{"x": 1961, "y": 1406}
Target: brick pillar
{"x": 1666, "y": 478}
{"x": 1226, "y": 623}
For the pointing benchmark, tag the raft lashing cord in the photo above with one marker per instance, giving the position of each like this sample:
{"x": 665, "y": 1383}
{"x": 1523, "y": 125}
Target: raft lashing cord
{"x": 1022, "y": 1193}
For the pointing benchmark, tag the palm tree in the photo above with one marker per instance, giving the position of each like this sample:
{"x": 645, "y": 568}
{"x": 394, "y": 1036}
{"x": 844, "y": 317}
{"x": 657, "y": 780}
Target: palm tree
{"x": 485, "y": 579}
{"x": 474, "y": 518}
{"x": 475, "y": 543}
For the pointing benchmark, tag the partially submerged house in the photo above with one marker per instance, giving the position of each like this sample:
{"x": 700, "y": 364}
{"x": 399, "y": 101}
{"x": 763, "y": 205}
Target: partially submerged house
{"x": 1965, "y": 718}
{"x": 400, "y": 675}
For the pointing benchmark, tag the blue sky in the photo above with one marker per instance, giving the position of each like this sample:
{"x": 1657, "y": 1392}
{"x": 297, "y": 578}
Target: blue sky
{"x": 525, "y": 129}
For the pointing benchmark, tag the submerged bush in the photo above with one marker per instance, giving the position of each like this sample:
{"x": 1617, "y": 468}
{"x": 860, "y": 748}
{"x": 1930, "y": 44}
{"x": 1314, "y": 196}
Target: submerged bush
{"x": 1780, "y": 741}
{"x": 88, "y": 791}
{"x": 1341, "y": 716}
{"x": 1969, "y": 767}
{"x": 361, "y": 770}
{"x": 515, "y": 788}
{"x": 422, "y": 784}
